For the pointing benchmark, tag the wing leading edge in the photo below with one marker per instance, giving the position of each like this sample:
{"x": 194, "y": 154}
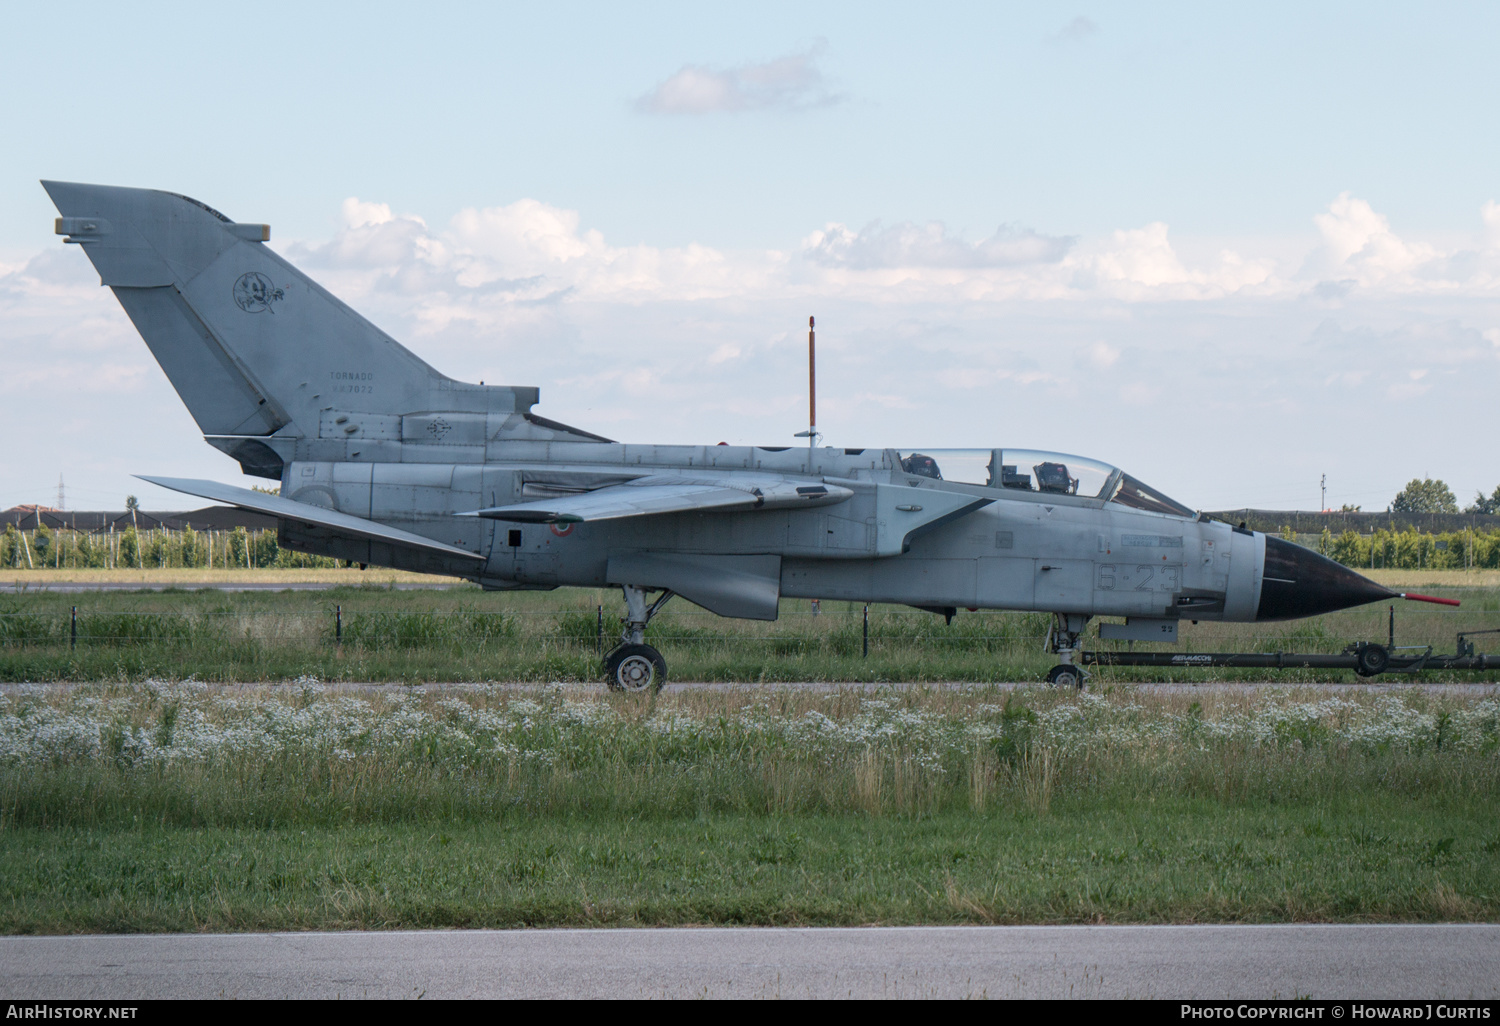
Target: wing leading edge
{"x": 289, "y": 509}
{"x": 672, "y": 493}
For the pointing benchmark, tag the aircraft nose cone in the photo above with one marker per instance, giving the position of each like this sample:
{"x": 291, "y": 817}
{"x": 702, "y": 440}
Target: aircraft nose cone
{"x": 1299, "y": 582}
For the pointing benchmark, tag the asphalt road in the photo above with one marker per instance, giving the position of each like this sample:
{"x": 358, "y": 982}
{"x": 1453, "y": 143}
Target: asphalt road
{"x": 1326, "y": 962}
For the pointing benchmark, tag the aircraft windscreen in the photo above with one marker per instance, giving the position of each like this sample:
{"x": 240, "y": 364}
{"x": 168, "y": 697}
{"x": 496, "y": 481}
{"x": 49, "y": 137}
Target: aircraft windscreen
{"x": 1136, "y": 495}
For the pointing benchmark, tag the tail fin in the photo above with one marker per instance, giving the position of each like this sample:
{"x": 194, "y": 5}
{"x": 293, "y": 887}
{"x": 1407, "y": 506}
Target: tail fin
{"x": 253, "y": 346}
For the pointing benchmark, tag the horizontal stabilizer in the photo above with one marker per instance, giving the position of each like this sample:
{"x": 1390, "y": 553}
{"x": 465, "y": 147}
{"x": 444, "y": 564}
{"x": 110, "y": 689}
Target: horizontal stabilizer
{"x": 672, "y": 493}
{"x": 288, "y": 509}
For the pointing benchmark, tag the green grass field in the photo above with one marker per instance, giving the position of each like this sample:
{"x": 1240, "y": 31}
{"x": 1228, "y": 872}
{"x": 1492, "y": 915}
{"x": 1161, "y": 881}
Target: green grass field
{"x": 150, "y": 800}
{"x": 130, "y": 807}
{"x": 1075, "y": 866}
{"x": 463, "y": 634}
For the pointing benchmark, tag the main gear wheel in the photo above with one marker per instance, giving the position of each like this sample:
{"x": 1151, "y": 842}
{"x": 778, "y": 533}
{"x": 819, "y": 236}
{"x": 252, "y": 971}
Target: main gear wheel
{"x": 635, "y": 668}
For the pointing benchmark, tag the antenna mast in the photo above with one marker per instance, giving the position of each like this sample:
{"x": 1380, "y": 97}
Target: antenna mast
{"x": 811, "y": 434}
{"x": 812, "y": 388}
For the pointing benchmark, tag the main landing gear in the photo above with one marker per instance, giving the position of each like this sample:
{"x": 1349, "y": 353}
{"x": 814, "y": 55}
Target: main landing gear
{"x": 633, "y": 665}
{"x": 1062, "y": 640}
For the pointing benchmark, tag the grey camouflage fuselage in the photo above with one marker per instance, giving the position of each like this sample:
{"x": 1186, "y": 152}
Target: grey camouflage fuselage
{"x": 383, "y": 460}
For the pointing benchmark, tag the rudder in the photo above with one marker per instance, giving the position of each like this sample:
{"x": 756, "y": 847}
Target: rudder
{"x": 253, "y": 346}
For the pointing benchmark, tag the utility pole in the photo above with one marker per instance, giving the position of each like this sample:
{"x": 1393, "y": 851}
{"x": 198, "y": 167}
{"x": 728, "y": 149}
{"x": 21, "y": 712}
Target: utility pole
{"x": 812, "y": 395}
{"x": 1323, "y": 493}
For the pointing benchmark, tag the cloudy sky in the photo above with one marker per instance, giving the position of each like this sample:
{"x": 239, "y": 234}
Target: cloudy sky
{"x": 1230, "y": 250}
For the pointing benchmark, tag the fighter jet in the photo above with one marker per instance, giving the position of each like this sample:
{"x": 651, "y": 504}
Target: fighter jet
{"x": 383, "y": 460}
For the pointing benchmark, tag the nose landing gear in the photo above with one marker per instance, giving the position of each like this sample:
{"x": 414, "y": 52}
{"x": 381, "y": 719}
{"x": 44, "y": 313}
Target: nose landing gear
{"x": 1062, "y": 640}
{"x": 1065, "y": 675}
{"x": 633, "y": 665}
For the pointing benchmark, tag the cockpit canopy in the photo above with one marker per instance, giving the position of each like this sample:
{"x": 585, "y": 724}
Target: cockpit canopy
{"x": 1029, "y": 470}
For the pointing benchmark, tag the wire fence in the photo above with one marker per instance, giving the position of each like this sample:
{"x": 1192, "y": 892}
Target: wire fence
{"x": 844, "y": 633}
{"x": 152, "y": 548}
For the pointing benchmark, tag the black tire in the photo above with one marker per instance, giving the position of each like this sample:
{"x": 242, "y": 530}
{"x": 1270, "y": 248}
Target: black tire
{"x": 635, "y": 668}
{"x": 1371, "y": 660}
{"x": 1064, "y": 676}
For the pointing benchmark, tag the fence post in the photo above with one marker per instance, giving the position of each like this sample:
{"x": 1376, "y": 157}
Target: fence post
{"x": 338, "y": 625}
{"x": 599, "y": 631}
{"x": 73, "y": 629}
{"x": 867, "y": 632}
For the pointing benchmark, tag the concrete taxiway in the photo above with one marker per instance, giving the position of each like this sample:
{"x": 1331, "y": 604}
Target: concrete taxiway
{"x": 1209, "y": 962}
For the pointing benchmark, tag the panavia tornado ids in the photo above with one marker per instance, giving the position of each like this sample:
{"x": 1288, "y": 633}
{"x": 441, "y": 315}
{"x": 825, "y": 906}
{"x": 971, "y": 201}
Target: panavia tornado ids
{"x": 383, "y": 460}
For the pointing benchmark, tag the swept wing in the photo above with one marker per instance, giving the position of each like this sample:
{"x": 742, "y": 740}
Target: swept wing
{"x": 289, "y": 509}
{"x": 672, "y": 493}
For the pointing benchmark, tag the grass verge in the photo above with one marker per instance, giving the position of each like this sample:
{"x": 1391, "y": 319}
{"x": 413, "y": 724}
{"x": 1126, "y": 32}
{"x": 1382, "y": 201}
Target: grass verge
{"x": 378, "y": 634}
{"x": 1177, "y": 861}
{"x": 180, "y": 807}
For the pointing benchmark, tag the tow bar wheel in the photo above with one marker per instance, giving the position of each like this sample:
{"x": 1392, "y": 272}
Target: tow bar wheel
{"x": 1371, "y": 660}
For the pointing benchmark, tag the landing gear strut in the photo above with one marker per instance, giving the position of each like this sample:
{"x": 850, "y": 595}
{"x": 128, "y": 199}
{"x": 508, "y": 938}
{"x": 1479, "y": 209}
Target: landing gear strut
{"x": 1062, "y": 640}
{"x": 633, "y": 665}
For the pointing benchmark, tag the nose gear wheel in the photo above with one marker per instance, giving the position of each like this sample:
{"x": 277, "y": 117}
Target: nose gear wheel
{"x": 1063, "y": 641}
{"x": 1065, "y": 675}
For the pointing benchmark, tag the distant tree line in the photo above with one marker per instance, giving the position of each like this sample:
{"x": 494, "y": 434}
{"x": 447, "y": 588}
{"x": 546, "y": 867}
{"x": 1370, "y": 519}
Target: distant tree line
{"x": 1425, "y": 495}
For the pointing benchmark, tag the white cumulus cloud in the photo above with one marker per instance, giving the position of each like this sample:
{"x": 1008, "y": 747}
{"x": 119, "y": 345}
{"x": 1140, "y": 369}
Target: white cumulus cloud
{"x": 930, "y": 245}
{"x": 792, "y": 82}
{"x": 358, "y": 213}
{"x": 1489, "y": 214}
{"x": 1358, "y": 243}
